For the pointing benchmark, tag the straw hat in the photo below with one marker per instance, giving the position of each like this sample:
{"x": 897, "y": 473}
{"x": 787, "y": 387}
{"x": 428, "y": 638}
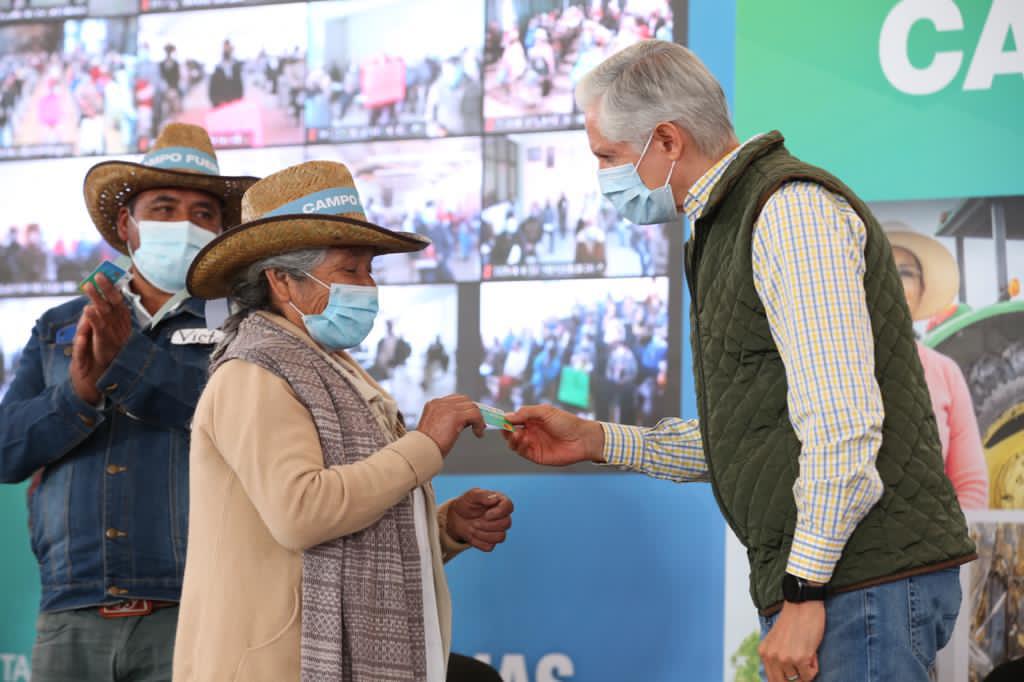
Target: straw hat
{"x": 311, "y": 205}
{"x": 939, "y": 272}
{"x": 182, "y": 158}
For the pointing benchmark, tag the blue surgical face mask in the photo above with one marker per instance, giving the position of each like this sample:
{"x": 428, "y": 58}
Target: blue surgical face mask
{"x": 166, "y": 251}
{"x": 347, "y": 319}
{"x": 635, "y": 201}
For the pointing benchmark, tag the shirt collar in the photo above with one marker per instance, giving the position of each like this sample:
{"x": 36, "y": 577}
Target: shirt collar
{"x": 192, "y": 305}
{"x": 696, "y": 201}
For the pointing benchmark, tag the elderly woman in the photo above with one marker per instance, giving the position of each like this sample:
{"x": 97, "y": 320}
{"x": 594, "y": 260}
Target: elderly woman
{"x": 315, "y": 546}
{"x": 930, "y": 280}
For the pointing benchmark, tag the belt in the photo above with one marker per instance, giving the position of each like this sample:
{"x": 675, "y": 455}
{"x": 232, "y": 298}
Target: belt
{"x": 134, "y": 607}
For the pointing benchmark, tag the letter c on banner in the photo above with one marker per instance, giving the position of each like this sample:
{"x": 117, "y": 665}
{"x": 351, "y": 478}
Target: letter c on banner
{"x": 893, "y": 46}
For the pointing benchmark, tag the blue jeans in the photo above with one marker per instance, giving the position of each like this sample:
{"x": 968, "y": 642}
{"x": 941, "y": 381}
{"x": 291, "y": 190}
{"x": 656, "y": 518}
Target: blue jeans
{"x": 889, "y": 632}
{"x": 82, "y": 646}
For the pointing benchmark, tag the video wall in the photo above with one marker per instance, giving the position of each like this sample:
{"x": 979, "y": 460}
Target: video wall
{"x": 458, "y": 122}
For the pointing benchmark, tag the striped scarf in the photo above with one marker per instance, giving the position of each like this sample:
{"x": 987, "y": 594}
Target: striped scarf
{"x": 362, "y": 601}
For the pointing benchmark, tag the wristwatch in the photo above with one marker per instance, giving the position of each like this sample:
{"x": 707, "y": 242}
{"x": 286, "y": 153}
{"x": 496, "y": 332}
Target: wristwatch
{"x": 797, "y": 590}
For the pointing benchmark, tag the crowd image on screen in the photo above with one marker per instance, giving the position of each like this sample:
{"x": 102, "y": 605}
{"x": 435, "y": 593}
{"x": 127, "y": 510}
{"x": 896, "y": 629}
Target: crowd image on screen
{"x": 430, "y": 187}
{"x": 246, "y": 87}
{"x": 452, "y": 254}
{"x": 32, "y": 263}
{"x": 411, "y": 350}
{"x": 570, "y": 237}
{"x": 534, "y": 59}
{"x": 544, "y": 216}
{"x": 67, "y": 88}
{"x": 370, "y": 78}
{"x": 48, "y": 244}
{"x": 603, "y": 357}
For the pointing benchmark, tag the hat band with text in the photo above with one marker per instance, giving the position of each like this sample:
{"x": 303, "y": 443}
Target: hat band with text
{"x": 182, "y": 158}
{"x": 334, "y": 201}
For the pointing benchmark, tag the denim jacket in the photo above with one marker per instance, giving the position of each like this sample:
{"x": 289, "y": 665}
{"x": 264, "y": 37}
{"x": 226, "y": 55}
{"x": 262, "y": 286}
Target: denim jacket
{"x": 109, "y": 516}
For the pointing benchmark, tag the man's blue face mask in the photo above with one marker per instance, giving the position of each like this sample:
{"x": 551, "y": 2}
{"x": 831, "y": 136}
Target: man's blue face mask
{"x": 635, "y": 201}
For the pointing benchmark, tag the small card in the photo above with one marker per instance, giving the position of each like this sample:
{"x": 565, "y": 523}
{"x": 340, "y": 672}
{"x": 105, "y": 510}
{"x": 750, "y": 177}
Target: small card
{"x": 111, "y": 271}
{"x": 494, "y": 417}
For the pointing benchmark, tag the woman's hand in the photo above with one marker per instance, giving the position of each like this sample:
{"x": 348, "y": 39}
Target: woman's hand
{"x": 444, "y": 419}
{"x": 480, "y": 518}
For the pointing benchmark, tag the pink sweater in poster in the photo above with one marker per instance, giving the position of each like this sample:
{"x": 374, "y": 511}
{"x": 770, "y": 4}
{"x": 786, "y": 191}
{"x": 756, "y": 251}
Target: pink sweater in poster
{"x": 958, "y": 428}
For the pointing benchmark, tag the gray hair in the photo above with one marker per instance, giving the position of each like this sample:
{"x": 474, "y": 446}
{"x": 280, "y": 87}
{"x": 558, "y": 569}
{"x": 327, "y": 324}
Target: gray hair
{"x": 250, "y": 291}
{"x": 652, "y": 82}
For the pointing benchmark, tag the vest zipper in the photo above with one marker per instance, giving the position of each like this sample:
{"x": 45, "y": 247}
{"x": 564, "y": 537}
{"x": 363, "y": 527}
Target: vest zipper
{"x": 690, "y": 268}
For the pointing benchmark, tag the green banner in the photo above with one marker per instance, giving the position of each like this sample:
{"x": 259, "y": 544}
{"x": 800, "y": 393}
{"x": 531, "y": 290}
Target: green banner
{"x": 905, "y": 99}
{"x": 20, "y": 577}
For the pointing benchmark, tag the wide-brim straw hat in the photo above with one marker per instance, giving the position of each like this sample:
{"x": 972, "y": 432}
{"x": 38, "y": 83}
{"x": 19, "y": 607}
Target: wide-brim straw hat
{"x": 312, "y": 205}
{"x": 939, "y": 271}
{"x": 182, "y": 158}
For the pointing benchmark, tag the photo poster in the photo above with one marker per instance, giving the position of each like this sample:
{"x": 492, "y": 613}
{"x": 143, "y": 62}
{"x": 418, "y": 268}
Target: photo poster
{"x": 473, "y": 141}
{"x": 957, "y": 227}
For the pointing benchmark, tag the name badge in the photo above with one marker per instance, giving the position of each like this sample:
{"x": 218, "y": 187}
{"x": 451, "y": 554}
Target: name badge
{"x": 197, "y": 337}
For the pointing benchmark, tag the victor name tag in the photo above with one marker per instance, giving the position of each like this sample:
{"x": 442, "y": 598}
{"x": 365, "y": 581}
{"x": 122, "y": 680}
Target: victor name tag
{"x": 197, "y": 337}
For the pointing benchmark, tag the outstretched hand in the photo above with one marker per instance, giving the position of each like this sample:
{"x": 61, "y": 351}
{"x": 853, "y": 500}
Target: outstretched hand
{"x": 553, "y": 437}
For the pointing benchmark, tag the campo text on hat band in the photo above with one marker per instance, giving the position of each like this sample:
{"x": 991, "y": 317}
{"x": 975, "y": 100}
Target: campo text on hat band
{"x": 334, "y": 201}
{"x": 182, "y": 158}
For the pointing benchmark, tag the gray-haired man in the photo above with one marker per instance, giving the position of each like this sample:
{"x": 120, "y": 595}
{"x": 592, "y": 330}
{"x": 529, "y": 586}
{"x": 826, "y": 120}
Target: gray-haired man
{"x": 816, "y": 430}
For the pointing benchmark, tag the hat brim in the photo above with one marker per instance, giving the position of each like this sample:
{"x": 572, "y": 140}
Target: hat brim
{"x": 938, "y": 270}
{"x": 110, "y": 185}
{"x": 216, "y": 266}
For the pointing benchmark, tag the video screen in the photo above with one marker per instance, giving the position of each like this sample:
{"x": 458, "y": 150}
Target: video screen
{"x": 598, "y": 348}
{"x": 544, "y": 216}
{"x": 412, "y": 349}
{"x": 535, "y": 53}
{"x": 394, "y": 69}
{"x": 48, "y": 244}
{"x": 19, "y": 316}
{"x": 66, "y": 88}
{"x": 431, "y": 187}
{"x": 239, "y": 73}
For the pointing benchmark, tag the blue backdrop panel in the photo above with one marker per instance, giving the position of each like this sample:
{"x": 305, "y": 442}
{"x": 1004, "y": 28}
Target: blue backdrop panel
{"x": 620, "y": 574}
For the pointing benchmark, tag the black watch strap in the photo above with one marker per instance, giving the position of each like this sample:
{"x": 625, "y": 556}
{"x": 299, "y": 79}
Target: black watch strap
{"x": 797, "y": 590}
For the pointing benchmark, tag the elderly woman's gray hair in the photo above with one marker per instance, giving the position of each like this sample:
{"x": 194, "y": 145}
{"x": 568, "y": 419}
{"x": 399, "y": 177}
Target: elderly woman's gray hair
{"x": 652, "y": 82}
{"x": 250, "y": 291}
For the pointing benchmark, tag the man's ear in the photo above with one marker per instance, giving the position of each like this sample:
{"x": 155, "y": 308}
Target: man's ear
{"x": 672, "y": 140}
{"x": 124, "y": 225}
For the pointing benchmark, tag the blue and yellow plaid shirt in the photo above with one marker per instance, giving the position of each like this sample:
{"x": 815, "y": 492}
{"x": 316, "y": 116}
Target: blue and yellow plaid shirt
{"x": 808, "y": 261}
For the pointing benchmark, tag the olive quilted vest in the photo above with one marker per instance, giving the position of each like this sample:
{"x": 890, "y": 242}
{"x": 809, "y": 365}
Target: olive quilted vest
{"x": 750, "y": 444}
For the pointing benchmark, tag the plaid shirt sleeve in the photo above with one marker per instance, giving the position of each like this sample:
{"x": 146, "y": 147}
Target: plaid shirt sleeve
{"x": 671, "y": 450}
{"x": 808, "y": 262}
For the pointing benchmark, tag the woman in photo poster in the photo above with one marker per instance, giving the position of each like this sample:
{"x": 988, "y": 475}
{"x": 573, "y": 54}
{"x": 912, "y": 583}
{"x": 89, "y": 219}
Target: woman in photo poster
{"x": 930, "y": 281}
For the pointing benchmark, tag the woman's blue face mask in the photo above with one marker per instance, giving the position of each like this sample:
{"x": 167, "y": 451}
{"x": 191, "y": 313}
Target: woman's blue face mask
{"x": 634, "y": 200}
{"x": 347, "y": 319}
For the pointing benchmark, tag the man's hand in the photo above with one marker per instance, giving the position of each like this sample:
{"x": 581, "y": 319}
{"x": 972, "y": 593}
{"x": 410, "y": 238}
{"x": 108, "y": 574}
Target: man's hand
{"x": 111, "y": 320}
{"x": 480, "y": 518}
{"x": 553, "y": 437}
{"x": 443, "y": 419}
{"x": 791, "y": 647}
{"x": 103, "y": 330}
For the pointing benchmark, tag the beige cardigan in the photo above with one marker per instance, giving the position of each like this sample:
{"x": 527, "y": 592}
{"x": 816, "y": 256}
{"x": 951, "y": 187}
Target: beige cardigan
{"x": 260, "y": 495}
